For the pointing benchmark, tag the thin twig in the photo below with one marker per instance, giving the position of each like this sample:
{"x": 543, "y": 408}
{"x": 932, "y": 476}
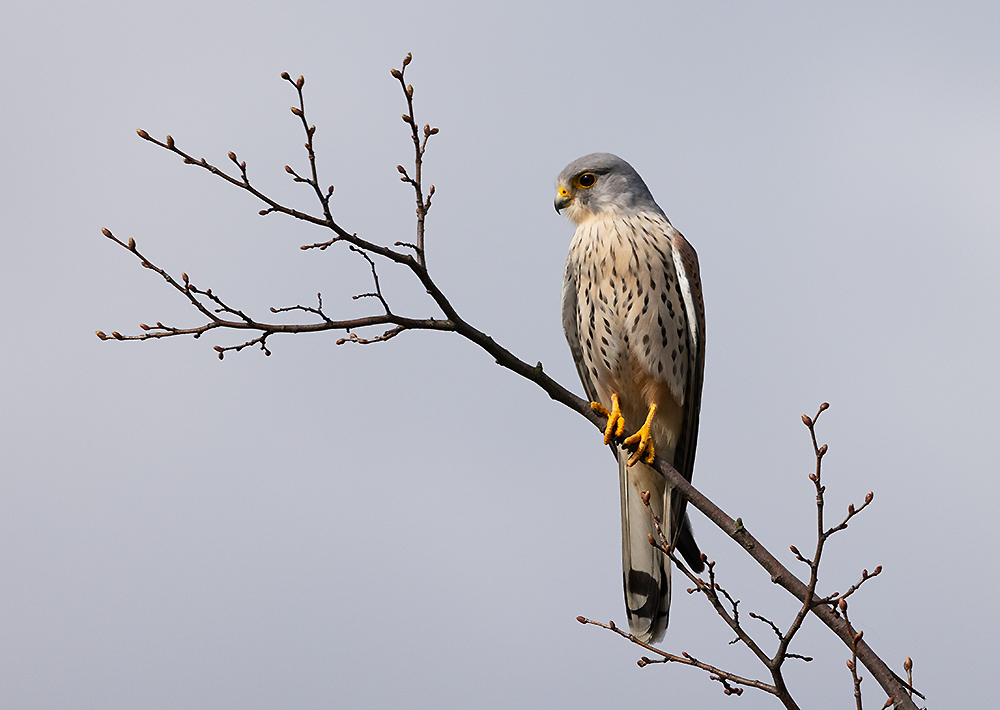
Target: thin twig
{"x": 419, "y": 147}
{"x": 718, "y": 674}
{"x": 852, "y": 664}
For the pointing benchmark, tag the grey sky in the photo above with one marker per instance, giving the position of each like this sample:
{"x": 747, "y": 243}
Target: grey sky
{"x": 408, "y": 525}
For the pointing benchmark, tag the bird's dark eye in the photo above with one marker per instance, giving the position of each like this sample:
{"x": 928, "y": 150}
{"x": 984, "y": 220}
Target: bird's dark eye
{"x": 585, "y": 180}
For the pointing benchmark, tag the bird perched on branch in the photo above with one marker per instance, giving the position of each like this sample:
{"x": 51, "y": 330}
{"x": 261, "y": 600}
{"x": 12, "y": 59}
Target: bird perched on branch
{"x": 634, "y": 318}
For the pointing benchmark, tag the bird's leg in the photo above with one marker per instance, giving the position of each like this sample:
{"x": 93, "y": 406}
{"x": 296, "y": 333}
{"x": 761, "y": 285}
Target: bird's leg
{"x": 616, "y": 422}
{"x": 644, "y": 450}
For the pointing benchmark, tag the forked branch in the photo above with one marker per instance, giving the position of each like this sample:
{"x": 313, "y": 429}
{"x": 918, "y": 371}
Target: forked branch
{"x": 828, "y": 608}
{"x": 217, "y": 314}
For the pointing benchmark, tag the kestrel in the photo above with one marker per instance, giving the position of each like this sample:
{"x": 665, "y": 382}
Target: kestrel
{"x": 634, "y": 318}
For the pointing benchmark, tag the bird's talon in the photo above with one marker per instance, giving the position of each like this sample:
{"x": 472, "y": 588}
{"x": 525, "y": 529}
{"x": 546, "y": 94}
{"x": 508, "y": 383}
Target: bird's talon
{"x": 600, "y": 409}
{"x": 616, "y": 422}
{"x": 645, "y": 451}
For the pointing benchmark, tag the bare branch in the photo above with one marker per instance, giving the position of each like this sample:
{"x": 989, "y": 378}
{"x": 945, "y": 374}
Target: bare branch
{"x": 324, "y": 198}
{"x": 852, "y": 664}
{"x": 419, "y": 147}
{"x": 219, "y": 314}
{"x": 718, "y": 674}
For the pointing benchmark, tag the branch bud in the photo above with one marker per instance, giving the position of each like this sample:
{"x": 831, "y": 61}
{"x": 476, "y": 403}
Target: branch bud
{"x": 850, "y": 509}
{"x": 101, "y": 334}
{"x": 401, "y": 169}
{"x": 645, "y": 497}
{"x": 284, "y": 75}
{"x": 612, "y": 624}
{"x": 301, "y": 82}
{"x": 170, "y": 141}
{"x": 396, "y": 74}
{"x": 685, "y": 654}
{"x": 296, "y": 110}
{"x": 795, "y": 550}
{"x": 869, "y": 497}
{"x": 409, "y": 91}
{"x": 143, "y": 134}
{"x": 850, "y": 664}
{"x": 858, "y": 636}
{"x": 131, "y": 244}
{"x": 407, "y": 59}
{"x": 288, "y": 169}
{"x": 581, "y": 619}
{"x": 184, "y": 276}
{"x": 232, "y": 156}
{"x": 806, "y": 420}
{"x": 842, "y": 604}
{"x": 407, "y": 119}
{"x": 878, "y": 570}
{"x": 823, "y": 449}
{"x": 435, "y": 131}
{"x": 643, "y": 662}
{"x": 116, "y": 335}
{"x": 107, "y": 233}
{"x": 864, "y": 574}
{"x": 825, "y": 406}
{"x": 812, "y": 477}
{"x": 908, "y": 664}
{"x": 144, "y": 326}
{"x": 651, "y": 540}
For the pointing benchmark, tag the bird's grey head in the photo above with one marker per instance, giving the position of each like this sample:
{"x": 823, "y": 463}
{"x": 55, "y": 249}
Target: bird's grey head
{"x": 598, "y": 183}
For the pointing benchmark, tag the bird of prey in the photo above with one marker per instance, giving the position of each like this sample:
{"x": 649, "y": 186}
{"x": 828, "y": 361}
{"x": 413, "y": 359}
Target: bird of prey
{"x": 634, "y": 318}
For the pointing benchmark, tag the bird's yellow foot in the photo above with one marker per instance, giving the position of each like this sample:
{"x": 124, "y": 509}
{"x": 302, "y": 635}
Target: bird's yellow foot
{"x": 645, "y": 449}
{"x": 616, "y": 422}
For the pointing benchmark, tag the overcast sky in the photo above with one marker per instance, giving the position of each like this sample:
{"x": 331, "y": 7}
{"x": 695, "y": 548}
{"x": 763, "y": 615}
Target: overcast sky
{"x": 406, "y": 524}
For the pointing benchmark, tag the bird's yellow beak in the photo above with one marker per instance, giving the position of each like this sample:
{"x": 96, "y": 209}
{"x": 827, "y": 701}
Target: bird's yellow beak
{"x": 563, "y": 198}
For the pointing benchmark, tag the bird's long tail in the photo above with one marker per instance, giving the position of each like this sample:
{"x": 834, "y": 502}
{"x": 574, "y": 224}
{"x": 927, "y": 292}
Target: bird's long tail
{"x": 646, "y": 570}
